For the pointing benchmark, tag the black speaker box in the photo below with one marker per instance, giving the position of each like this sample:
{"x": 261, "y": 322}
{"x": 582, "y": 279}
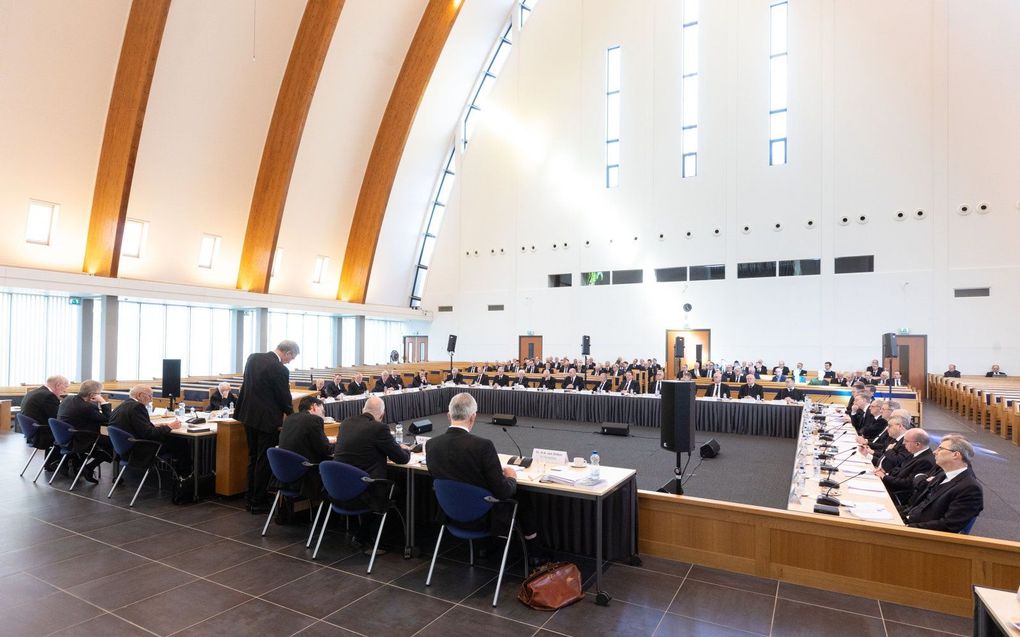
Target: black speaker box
{"x": 618, "y": 429}
{"x": 889, "y": 348}
{"x": 508, "y": 420}
{"x": 420, "y": 427}
{"x": 451, "y": 343}
{"x": 585, "y": 345}
{"x": 171, "y": 382}
{"x": 678, "y": 416}
{"x": 710, "y": 449}
{"x": 678, "y": 347}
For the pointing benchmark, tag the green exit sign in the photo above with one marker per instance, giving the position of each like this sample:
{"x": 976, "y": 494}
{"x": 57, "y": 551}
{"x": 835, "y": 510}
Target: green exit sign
{"x": 74, "y": 300}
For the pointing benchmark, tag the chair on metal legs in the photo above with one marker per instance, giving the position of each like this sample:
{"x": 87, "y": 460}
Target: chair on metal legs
{"x": 463, "y": 504}
{"x": 136, "y": 454}
{"x": 29, "y": 427}
{"x": 344, "y": 484}
{"x": 72, "y": 442}
{"x": 289, "y": 467}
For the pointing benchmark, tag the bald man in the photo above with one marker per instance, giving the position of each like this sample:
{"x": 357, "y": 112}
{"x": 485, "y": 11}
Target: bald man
{"x": 132, "y": 416}
{"x": 41, "y": 404}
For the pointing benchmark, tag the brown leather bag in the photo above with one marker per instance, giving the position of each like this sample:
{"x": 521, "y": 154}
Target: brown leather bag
{"x": 552, "y": 586}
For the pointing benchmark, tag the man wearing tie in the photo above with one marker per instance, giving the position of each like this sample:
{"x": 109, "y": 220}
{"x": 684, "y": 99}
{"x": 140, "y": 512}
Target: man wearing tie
{"x": 629, "y": 385}
{"x": 573, "y": 381}
{"x": 521, "y": 380}
{"x": 718, "y": 389}
{"x": 995, "y": 372}
{"x": 603, "y": 385}
{"x": 900, "y": 481}
{"x": 547, "y": 382}
{"x": 897, "y": 379}
{"x": 952, "y": 502}
{"x": 655, "y": 387}
{"x": 750, "y": 389}
{"x": 790, "y": 393}
{"x": 500, "y": 379}
{"x": 829, "y": 374}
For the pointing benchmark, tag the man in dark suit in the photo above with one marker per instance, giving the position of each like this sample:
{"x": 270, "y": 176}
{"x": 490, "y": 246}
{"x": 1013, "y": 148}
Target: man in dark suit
{"x": 952, "y": 372}
{"x": 655, "y": 386}
{"x": 366, "y": 443}
{"x": 995, "y": 372}
{"x": 482, "y": 379}
{"x": 718, "y": 389}
{"x": 383, "y": 384}
{"x": 521, "y": 380}
{"x": 501, "y": 379}
{"x": 750, "y": 389}
{"x": 334, "y": 387}
{"x": 395, "y": 381}
{"x": 132, "y": 416}
{"x": 547, "y": 381}
{"x": 790, "y": 394}
{"x": 872, "y": 422}
{"x": 628, "y": 385}
{"x": 357, "y": 386}
{"x": 730, "y": 375}
{"x": 88, "y": 411}
{"x": 874, "y": 370}
{"x": 462, "y": 456}
{"x": 455, "y": 377}
{"x": 262, "y": 404}
{"x": 827, "y": 373}
{"x": 900, "y": 481}
{"x": 602, "y": 385}
{"x": 421, "y": 380}
{"x": 951, "y": 503}
{"x": 222, "y": 398}
{"x": 303, "y": 434}
{"x": 891, "y": 451}
{"x": 573, "y": 381}
{"x": 41, "y": 404}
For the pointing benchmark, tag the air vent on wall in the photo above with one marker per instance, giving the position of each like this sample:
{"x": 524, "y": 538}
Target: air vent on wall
{"x": 445, "y": 308}
{"x": 961, "y": 293}
{"x": 495, "y": 308}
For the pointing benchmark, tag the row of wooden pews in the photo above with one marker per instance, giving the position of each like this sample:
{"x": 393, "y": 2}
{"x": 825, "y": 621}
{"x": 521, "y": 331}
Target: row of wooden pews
{"x": 993, "y": 404}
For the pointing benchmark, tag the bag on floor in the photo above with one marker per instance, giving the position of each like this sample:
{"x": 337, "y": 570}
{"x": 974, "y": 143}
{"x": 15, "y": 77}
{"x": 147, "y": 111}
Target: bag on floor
{"x": 551, "y": 587}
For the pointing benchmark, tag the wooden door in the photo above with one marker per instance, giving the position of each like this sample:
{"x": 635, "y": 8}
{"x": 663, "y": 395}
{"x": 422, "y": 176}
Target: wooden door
{"x": 416, "y": 349}
{"x": 696, "y": 342}
{"x": 911, "y": 362}
{"x": 529, "y": 347}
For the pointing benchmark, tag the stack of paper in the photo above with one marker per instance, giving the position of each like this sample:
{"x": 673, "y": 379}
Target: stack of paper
{"x": 871, "y": 512}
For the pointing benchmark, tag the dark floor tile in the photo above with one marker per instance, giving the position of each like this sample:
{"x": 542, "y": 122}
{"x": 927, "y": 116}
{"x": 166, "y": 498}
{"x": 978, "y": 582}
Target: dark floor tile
{"x": 893, "y": 629}
{"x": 211, "y": 558}
{"x": 252, "y": 618}
{"x": 638, "y": 586}
{"x": 507, "y": 605}
{"x": 236, "y": 523}
{"x": 374, "y": 614}
{"x": 838, "y": 601}
{"x": 716, "y": 605}
{"x": 25, "y": 532}
{"x": 387, "y": 567}
{"x": 85, "y": 568}
{"x": 926, "y": 618}
{"x": 335, "y": 547}
{"x": 173, "y": 542}
{"x": 278, "y": 537}
{"x": 324, "y": 629}
{"x": 733, "y": 580}
{"x": 47, "y": 553}
{"x": 139, "y": 528}
{"x": 21, "y": 588}
{"x": 103, "y": 626}
{"x": 322, "y": 593}
{"x": 452, "y": 581}
{"x": 126, "y": 587}
{"x": 183, "y": 607}
{"x": 49, "y": 614}
{"x": 264, "y": 573}
{"x": 619, "y": 618}
{"x": 802, "y": 620}
{"x": 464, "y": 622}
{"x": 107, "y": 516}
{"x": 662, "y": 565}
{"x": 677, "y": 626}
{"x": 191, "y": 514}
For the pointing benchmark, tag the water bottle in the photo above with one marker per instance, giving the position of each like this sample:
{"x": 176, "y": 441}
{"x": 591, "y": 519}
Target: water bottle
{"x": 801, "y": 481}
{"x": 180, "y": 409}
{"x": 398, "y": 433}
{"x": 593, "y": 466}
{"x": 230, "y": 409}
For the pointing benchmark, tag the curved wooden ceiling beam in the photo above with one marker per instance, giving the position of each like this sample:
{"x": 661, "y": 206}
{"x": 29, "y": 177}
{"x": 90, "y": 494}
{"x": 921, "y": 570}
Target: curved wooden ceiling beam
{"x": 312, "y": 42}
{"x": 415, "y": 73}
{"x": 142, "y": 37}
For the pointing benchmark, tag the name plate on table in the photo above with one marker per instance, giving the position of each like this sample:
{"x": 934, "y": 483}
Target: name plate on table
{"x": 549, "y": 456}
{"x": 421, "y": 440}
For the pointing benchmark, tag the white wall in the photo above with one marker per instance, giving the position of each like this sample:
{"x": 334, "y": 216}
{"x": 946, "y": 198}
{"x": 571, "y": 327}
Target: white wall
{"x": 894, "y": 105}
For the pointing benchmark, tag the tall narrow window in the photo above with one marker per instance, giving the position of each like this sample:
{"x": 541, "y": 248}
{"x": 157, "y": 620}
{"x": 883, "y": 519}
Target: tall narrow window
{"x": 527, "y": 6}
{"x": 428, "y": 246}
{"x": 689, "y": 89}
{"x": 613, "y": 117}
{"x": 777, "y": 83}
{"x": 487, "y": 80}
{"x": 41, "y": 217}
{"x": 135, "y": 232}
{"x": 207, "y": 252}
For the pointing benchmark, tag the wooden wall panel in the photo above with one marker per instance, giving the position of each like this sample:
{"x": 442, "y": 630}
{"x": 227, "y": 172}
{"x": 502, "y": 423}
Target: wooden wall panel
{"x": 926, "y": 569}
{"x": 311, "y": 44}
{"x": 142, "y": 38}
{"x": 381, "y": 170}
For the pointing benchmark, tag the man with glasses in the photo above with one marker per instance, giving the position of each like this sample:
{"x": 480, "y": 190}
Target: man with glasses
{"x": 949, "y": 503}
{"x": 900, "y": 481}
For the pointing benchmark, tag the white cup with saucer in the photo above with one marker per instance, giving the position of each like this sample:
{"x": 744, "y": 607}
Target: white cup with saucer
{"x": 578, "y": 462}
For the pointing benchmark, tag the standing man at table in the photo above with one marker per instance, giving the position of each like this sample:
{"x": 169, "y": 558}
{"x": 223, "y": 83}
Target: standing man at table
{"x": 750, "y": 389}
{"x": 462, "y": 456}
{"x": 264, "y": 401}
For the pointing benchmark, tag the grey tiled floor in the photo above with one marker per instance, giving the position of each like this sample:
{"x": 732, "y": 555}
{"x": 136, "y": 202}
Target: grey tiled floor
{"x": 79, "y": 564}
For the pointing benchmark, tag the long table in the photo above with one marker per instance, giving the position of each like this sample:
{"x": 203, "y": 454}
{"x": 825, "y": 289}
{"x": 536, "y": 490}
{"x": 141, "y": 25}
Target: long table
{"x": 863, "y": 497}
{"x": 996, "y": 612}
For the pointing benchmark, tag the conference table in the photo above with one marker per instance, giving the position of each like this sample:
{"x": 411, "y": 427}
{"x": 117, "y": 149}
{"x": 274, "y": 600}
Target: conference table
{"x": 996, "y": 612}
{"x": 861, "y": 496}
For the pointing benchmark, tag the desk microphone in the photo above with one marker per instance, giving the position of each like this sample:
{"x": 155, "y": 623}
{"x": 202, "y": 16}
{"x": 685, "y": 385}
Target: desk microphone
{"x": 519, "y": 460}
{"x": 829, "y": 500}
{"x": 829, "y": 442}
{"x": 833, "y": 469}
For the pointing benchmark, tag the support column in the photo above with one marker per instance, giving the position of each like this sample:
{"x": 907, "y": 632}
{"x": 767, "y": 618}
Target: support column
{"x": 85, "y": 345}
{"x": 338, "y": 340}
{"x": 108, "y": 338}
{"x": 237, "y": 340}
{"x": 359, "y": 340}
{"x": 262, "y": 328}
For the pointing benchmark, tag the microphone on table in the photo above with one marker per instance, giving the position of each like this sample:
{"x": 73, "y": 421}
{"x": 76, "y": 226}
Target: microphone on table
{"x": 830, "y": 439}
{"x": 833, "y": 469}
{"x": 833, "y": 501}
{"x": 519, "y": 460}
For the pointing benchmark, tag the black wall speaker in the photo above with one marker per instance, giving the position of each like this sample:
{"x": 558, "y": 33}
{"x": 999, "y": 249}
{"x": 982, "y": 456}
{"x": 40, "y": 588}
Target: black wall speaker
{"x": 171, "y": 377}
{"x": 678, "y": 347}
{"x": 451, "y": 344}
{"x": 678, "y": 416}
{"x": 710, "y": 449}
{"x": 889, "y": 348}
{"x": 507, "y": 420}
{"x": 420, "y": 427}
{"x": 585, "y": 345}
